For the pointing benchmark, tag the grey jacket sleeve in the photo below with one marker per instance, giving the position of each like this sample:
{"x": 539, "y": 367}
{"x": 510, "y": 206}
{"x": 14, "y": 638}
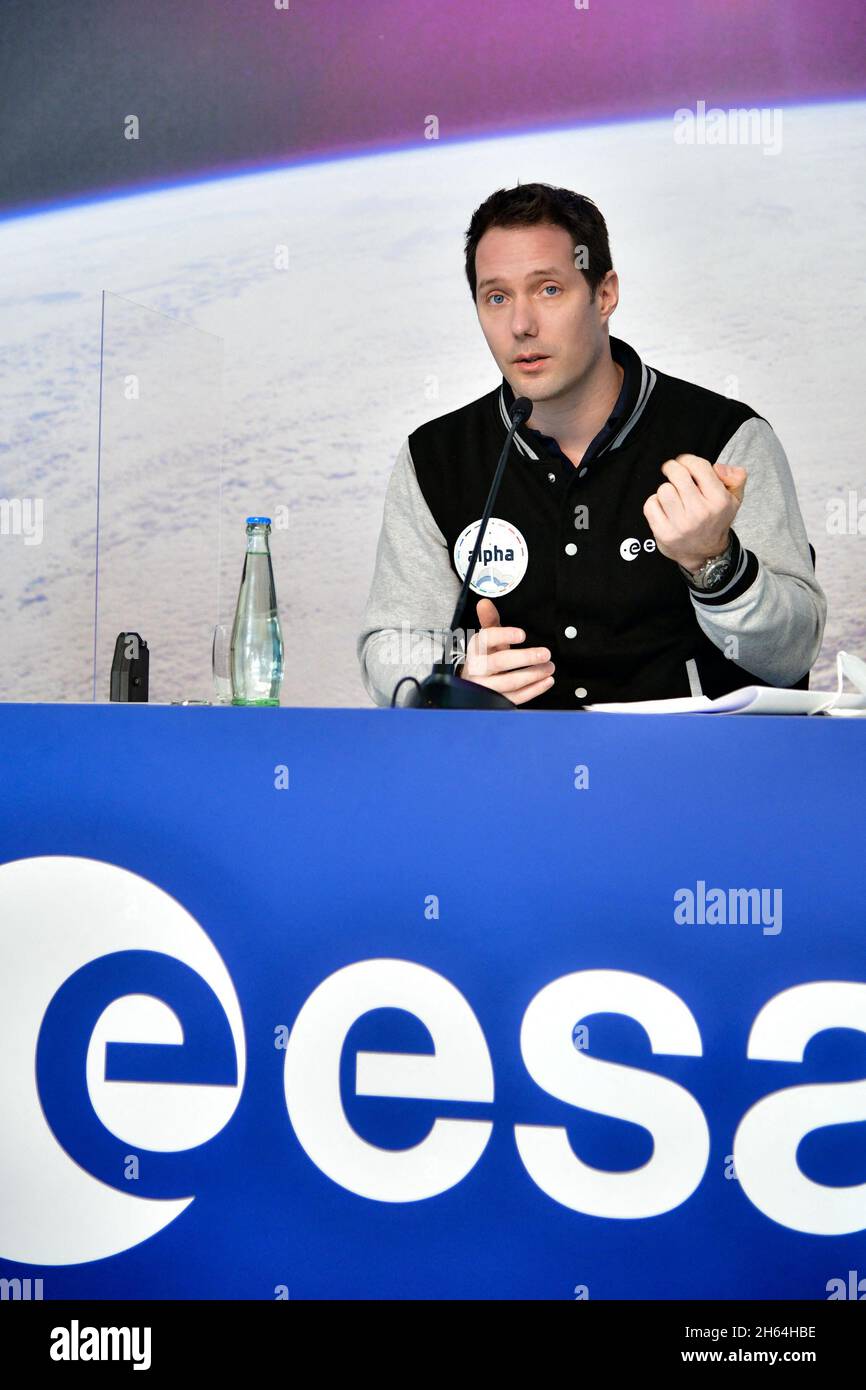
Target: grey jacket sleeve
{"x": 769, "y": 617}
{"x": 413, "y": 593}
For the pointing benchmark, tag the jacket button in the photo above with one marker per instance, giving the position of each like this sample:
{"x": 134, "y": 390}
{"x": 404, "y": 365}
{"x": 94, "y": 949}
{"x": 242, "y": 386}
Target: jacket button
{"x": 551, "y": 477}
{"x": 581, "y": 472}
{"x": 571, "y": 548}
{"x": 571, "y": 632}
{"x": 580, "y": 692}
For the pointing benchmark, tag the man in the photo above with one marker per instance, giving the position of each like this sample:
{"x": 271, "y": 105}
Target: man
{"x": 646, "y": 541}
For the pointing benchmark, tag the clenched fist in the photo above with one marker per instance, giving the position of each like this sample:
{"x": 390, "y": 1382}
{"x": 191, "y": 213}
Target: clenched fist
{"x": 691, "y": 514}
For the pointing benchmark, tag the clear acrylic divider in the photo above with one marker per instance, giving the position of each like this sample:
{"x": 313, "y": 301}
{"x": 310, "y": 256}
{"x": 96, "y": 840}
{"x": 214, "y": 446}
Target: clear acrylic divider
{"x": 48, "y": 516}
{"x": 159, "y": 540}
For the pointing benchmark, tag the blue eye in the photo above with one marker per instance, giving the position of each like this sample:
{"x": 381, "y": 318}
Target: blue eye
{"x": 494, "y": 295}
{"x": 552, "y": 287}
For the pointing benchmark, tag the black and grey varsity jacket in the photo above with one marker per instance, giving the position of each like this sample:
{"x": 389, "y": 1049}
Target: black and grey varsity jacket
{"x": 621, "y": 620}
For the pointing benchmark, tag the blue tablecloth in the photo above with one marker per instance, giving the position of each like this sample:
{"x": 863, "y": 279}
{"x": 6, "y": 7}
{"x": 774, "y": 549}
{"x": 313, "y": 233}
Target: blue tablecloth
{"x": 421, "y": 1004}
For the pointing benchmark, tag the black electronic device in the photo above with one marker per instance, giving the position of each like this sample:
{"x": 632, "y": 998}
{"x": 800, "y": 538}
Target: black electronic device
{"x": 130, "y": 669}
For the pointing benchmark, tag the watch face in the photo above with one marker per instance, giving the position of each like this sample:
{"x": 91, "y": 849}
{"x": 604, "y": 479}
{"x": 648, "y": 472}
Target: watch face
{"x": 715, "y": 572}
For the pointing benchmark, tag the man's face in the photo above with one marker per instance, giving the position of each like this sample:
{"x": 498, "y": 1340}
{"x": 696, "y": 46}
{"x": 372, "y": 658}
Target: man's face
{"x": 531, "y": 299}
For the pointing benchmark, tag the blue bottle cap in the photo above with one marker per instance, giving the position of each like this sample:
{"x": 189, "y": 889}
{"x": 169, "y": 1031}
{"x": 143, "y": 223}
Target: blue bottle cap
{"x": 258, "y": 521}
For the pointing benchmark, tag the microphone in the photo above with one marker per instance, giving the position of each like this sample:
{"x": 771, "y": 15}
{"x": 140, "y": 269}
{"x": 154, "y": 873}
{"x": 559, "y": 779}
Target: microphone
{"x": 442, "y": 689}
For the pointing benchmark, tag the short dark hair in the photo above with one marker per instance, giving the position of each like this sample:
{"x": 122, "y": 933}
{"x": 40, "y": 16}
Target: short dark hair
{"x": 530, "y": 203}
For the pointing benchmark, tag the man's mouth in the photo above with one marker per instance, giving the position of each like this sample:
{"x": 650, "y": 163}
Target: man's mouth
{"x": 531, "y": 361}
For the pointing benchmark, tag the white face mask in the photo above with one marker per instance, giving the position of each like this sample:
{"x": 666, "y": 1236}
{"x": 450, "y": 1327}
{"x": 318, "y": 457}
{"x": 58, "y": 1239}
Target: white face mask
{"x": 852, "y": 668}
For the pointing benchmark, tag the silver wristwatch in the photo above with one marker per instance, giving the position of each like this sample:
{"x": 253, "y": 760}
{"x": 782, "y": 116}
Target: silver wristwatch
{"x": 712, "y": 571}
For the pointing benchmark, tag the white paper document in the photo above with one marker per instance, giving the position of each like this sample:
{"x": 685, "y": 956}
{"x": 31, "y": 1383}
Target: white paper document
{"x": 751, "y": 699}
{"x": 764, "y": 699}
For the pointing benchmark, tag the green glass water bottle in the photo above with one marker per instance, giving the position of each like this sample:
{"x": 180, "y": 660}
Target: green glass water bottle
{"x": 257, "y": 642}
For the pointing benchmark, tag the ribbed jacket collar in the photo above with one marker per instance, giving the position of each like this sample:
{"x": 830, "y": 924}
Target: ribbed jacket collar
{"x": 637, "y": 384}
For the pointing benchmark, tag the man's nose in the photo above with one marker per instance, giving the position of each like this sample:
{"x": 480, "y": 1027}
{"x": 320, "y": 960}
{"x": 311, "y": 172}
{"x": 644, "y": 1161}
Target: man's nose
{"x": 524, "y": 322}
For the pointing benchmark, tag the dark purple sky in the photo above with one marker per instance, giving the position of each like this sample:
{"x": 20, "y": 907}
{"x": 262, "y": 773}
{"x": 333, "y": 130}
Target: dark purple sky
{"x": 234, "y": 83}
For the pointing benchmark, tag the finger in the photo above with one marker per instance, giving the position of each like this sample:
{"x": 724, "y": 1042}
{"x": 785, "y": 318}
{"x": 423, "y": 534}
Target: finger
{"x": 695, "y": 506}
{"x": 506, "y": 663}
{"x": 513, "y": 659}
{"x": 529, "y": 692}
{"x": 671, "y": 504}
{"x": 658, "y": 522}
{"x": 507, "y": 659}
{"x": 488, "y": 614}
{"x": 691, "y": 471}
{"x": 687, "y": 485}
{"x": 734, "y": 478}
{"x": 509, "y": 681}
{"x": 491, "y": 639}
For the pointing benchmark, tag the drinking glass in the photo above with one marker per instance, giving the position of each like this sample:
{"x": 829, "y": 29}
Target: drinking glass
{"x": 221, "y": 662}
